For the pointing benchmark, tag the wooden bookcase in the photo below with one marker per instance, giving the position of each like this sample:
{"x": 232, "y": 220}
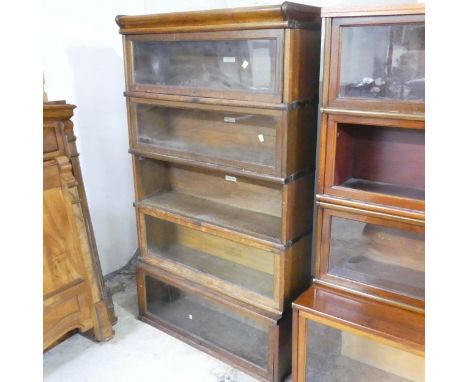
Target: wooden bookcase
{"x": 222, "y": 111}
{"x": 340, "y": 336}
{"x": 366, "y": 304}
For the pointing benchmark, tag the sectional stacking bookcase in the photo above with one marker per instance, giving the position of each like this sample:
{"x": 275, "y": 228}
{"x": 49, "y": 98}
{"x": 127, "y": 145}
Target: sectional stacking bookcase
{"x": 222, "y": 111}
{"x": 363, "y": 317}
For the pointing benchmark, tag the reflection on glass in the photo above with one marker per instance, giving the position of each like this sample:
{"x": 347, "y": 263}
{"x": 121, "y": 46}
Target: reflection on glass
{"x": 383, "y": 62}
{"x": 231, "y": 136}
{"x": 376, "y": 255}
{"x": 241, "y": 65}
{"x": 210, "y": 321}
{"x": 334, "y": 355}
{"x": 244, "y": 266}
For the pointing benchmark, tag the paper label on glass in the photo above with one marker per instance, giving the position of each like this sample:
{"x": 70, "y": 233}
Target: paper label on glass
{"x": 230, "y": 178}
{"x": 229, "y": 59}
{"x": 230, "y": 119}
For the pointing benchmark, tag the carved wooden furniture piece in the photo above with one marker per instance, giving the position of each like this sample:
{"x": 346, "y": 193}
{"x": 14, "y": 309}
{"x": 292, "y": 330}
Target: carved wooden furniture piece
{"x": 222, "y": 114}
{"x": 73, "y": 289}
{"x": 369, "y": 255}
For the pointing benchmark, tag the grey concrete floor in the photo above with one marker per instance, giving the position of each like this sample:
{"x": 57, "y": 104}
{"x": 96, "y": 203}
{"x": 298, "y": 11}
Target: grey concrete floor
{"x": 138, "y": 352}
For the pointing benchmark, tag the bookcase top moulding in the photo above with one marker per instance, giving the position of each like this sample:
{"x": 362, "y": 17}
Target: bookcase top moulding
{"x": 285, "y": 15}
{"x": 384, "y": 10}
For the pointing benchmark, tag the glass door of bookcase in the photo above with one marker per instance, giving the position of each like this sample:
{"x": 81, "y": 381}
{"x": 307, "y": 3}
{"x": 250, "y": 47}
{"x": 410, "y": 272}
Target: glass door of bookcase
{"x": 379, "y": 61}
{"x": 235, "y": 65}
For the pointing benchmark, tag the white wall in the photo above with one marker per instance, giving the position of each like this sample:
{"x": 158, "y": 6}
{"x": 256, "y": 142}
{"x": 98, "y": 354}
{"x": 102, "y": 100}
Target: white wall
{"x": 83, "y": 65}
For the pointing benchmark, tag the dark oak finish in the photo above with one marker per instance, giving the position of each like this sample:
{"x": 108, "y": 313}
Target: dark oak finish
{"x": 268, "y": 212}
{"x": 381, "y": 255}
{"x": 222, "y": 127}
{"x": 335, "y": 23}
{"x": 256, "y": 273}
{"x": 361, "y": 318}
{"x": 74, "y": 293}
{"x": 383, "y": 10}
{"x": 267, "y": 357}
{"x": 372, "y": 158}
{"x": 294, "y": 60}
{"x": 274, "y": 143}
{"x": 281, "y": 16}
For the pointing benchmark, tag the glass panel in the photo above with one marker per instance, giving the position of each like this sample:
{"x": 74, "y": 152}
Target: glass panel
{"x": 334, "y": 355}
{"x": 384, "y": 62}
{"x": 376, "y": 255}
{"x": 381, "y": 159}
{"x": 210, "y": 321}
{"x": 240, "y": 65}
{"x": 247, "y": 138}
{"x": 244, "y": 266}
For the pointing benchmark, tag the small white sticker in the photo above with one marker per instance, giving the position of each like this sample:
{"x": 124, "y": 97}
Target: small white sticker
{"x": 230, "y": 119}
{"x": 261, "y": 138}
{"x": 190, "y": 316}
{"x": 229, "y": 59}
{"x": 230, "y": 178}
{"x": 245, "y": 64}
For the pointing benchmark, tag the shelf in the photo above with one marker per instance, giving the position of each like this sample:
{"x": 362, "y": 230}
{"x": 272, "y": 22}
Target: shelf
{"x": 213, "y": 261}
{"x": 377, "y": 161}
{"x": 384, "y": 188}
{"x": 234, "y": 273}
{"x": 259, "y": 225}
{"x": 386, "y": 276}
{"x": 402, "y": 328}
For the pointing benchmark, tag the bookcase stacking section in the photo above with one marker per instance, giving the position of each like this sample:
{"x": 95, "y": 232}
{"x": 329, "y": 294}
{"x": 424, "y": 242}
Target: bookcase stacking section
{"x": 370, "y": 189}
{"x": 345, "y": 337}
{"x": 247, "y": 140}
{"x": 256, "y": 343}
{"x": 365, "y": 308}
{"x": 269, "y": 212}
{"x": 222, "y": 111}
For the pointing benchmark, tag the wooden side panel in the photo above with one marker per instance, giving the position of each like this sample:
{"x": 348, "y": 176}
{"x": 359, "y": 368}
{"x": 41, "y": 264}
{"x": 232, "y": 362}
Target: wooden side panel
{"x": 67, "y": 311}
{"x": 300, "y": 140}
{"x": 298, "y": 204}
{"x": 302, "y": 64}
{"x": 53, "y": 140}
{"x": 297, "y": 274}
{"x": 284, "y": 359}
{"x": 299, "y": 343}
{"x": 67, "y": 298}
{"x": 61, "y": 251}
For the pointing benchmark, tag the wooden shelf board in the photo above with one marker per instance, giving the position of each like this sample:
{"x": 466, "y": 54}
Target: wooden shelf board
{"x": 408, "y": 281}
{"x": 384, "y": 188}
{"x": 256, "y": 224}
{"x": 237, "y": 274}
{"x": 402, "y": 327}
